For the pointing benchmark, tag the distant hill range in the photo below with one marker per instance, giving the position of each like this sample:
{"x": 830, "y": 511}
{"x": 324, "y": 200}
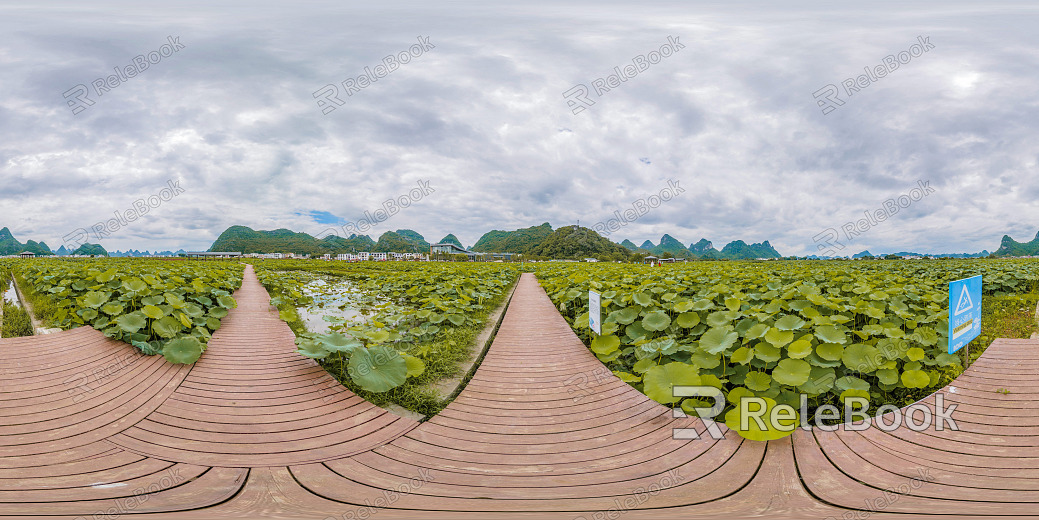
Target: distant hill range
{"x": 10, "y": 246}
{"x": 704, "y": 249}
{"x": 247, "y": 240}
{"x": 1010, "y": 247}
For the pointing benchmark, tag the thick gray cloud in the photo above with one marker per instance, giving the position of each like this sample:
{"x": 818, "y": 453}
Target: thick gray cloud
{"x": 731, "y": 117}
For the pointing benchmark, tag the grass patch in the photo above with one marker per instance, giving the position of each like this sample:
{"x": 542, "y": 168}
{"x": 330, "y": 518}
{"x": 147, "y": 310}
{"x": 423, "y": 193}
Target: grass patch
{"x": 1011, "y": 316}
{"x": 16, "y": 322}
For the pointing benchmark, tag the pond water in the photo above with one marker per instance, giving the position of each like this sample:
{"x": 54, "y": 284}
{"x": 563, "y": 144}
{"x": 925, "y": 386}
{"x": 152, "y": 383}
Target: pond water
{"x": 331, "y": 297}
{"x": 10, "y": 295}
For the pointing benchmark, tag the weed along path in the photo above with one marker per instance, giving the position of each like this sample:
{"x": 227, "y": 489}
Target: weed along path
{"x": 542, "y": 430}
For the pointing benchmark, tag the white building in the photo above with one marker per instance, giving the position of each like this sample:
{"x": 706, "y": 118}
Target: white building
{"x": 364, "y": 256}
{"x": 379, "y": 257}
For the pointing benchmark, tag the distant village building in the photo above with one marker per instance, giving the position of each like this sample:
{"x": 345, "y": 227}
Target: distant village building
{"x": 27, "y": 254}
{"x": 210, "y": 254}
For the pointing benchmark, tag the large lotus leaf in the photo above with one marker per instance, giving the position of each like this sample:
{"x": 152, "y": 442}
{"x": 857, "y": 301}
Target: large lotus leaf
{"x": 717, "y": 339}
{"x": 131, "y": 322}
{"x": 829, "y": 351}
{"x": 743, "y": 355}
{"x": 182, "y": 350}
{"x": 642, "y": 365}
{"x": 770, "y": 424}
{"x": 887, "y": 376}
{"x": 152, "y": 300}
{"x": 850, "y": 382}
{"x": 766, "y": 352}
{"x": 860, "y": 358}
{"x": 799, "y": 349}
{"x": 606, "y": 345}
{"x": 915, "y": 354}
{"x": 703, "y": 304}
{"x": 95, "y": 299}
{"x": 915, "y": 379}
{"x": 226, "y": 302}
{"x": 656, "y": 321}
{"x": 626, "y": 377}
{"x": 791, "y": 372}
{"x": 819, "y": 381}
{"x": 146, "y": 348}
{"x": 683, "y": 306}
{"x": 377, "y": 369}
{"x": 643, "y": 299}
{"x": 738, "y": 393}
{"x": 757, "y": 331}
{"x": 135, "y": 287}
{"x": 106, "y": 276}
{"x": 688, "y": 320}
{"x": 379, "y": 336}
{"x": 312, "y": 348}
{"x": 659, "y": 380}
{"x": 167, "y": 327}
{"x": 416, "y": 366}
{"x": 758, "y": 381}
{"x": 153, "y": 312}
{"x": 831, "y": 334}
{"x": 946, "y": 359}
{"x": 790, "y": 322}
{"x": 705, "y": 360}
{"x": 87, "y": 314}
{"x": 112, "y": 309}
{"x": 778, "y": 338}
{"x": 635, "y": 331}
{"x": 626, "y": 315}
{"x": 719, "y": 318}
{"x": 338, "y": 342}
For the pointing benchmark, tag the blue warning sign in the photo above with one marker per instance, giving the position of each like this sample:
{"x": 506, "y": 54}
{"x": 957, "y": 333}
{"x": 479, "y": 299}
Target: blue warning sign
{"x": 964, "y": 312}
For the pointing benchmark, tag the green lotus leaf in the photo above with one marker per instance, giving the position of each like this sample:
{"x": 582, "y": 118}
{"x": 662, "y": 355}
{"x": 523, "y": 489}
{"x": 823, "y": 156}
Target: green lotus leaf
{"x": 456, "y": 319}
{"x": 790, "y": 322}
{"x": 167, "y": 327}
{"x": 915, "y": 354}
{"x": 416, "y": 366}
{"x": 719, "y": 319}
{"x": 717, "y": 340}
{"x": 377, "y": 369}
{"x": 705, "y": 360}
{"x": 829, "y": 351}
{"x": 135, "y": 286}
{"x": 778, "y": 338}
{"x": 146, "y": 348}
{"x": 88, "y": 314}
{"x": 946, "y": 359}
{"x": 656, "y": 321}
{"x": 916, "y": 379}
{"x": 643, "y": 299}
{"x": 312, "y": 348}
{"x": 112, "y": 309}
{"x": 758, "y": 381}
{"x": 887, "y": 376}
{"x": 658, "y": 381}
{"x": 702, "y": 305}
{"x": 757, "y": 331}
{"x": 226, "y": 302}
{"x": 642, "y": 365}
{"x": 184, "y": 350}
{"x": 791, "y": 372}
{"x": 769, "y": 425}
{"x": 152, "y": 300}
{"x": 743, "y": 355}
{"x": 855, "y": 392}
{"x": 626, "y": 377}
{"x": 131, "y": 322}
{"x": 338, "y": 342}
{"x": 850, "y": 382}
{"x": 830, "y": 334}
{"x": 153, "y": 312}
{"x": 738, "y": 393}
{"x": 767, "y": 353}
{"x": 688, "y": 320}
{"x": 819, "y": 381}
{"x": 626, "y": 315}
{"x": 799, "y": 349}
{"x": 95, "y": 299}
{"x": 606, "y": 345}
{"x": 860, "y": 357}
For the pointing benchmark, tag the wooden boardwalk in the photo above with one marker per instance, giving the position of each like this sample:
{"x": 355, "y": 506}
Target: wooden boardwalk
{"x": 543, "y": 430}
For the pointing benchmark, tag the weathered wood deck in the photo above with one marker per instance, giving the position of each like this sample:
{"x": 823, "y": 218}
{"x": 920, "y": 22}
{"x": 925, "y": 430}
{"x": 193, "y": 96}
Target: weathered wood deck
{"x": 543, "y": 430}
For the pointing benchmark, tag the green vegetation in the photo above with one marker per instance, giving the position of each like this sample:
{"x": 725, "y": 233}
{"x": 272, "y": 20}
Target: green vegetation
{"x": 451, "y": 239}
{"x": 246, "y": 240}
{"x": 90, "y": 250}
{"x": 401, "y": 241}
{"x": 16, "y": 321}
{"x": 10, "y": 246}
{"x": 669, "y": 247}
{"x": 575, "y": 243}
{"x": 1007, "y": 316}
{"x": 1010, "y": 247}
{"x": 519, "y": 241}
{"x": 871, "y": 329}
{"x": 419, "y": 323}
{"x": 158, "y": 306}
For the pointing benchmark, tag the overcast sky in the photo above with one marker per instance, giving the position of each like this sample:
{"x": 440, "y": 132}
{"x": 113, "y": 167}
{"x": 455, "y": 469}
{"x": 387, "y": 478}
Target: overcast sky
{"x": 480, "y": 115}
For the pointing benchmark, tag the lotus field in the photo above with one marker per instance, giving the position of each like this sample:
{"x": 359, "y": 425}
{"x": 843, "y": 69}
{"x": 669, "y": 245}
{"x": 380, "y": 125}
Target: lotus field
{"x": 410, "y": 314}
{"x": 778, "y": 330}
{"x": 161, "y": 307}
